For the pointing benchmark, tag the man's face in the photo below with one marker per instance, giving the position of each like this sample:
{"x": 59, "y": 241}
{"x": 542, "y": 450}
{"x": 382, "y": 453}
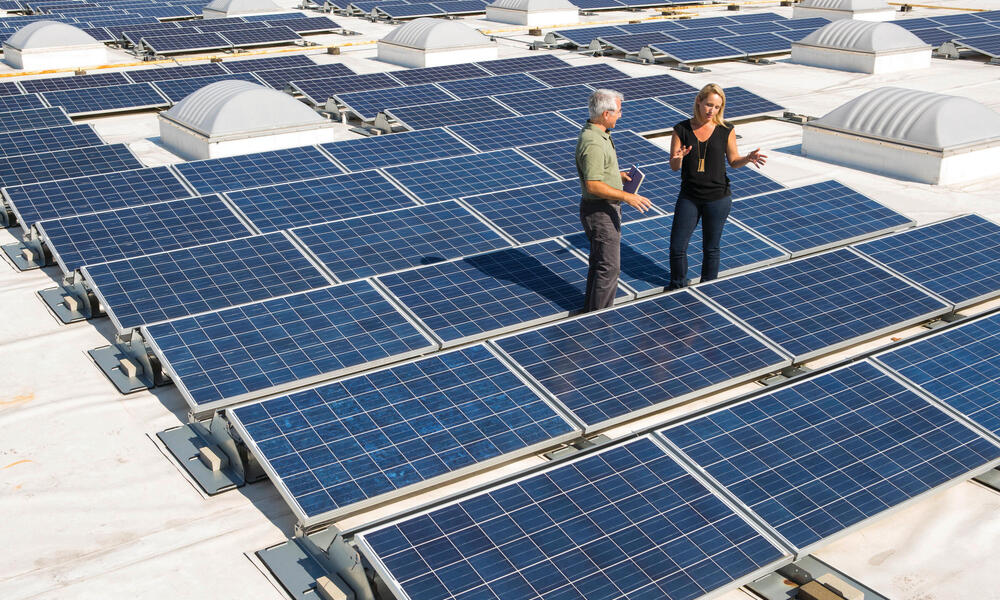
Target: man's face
{"x": 611, "y": 117}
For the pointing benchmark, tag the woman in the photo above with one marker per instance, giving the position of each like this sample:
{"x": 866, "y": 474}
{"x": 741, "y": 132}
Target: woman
{"x": 699, "y": 148}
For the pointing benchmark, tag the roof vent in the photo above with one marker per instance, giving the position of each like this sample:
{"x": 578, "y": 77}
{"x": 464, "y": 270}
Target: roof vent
{"x": 233, "y": 117}
{"x": 862, "y": 10}
{"x": 218, "y": 9}
{"x": 535, "y": 13}
{"x": 428, "y": 42}
{"x": 51, "y": 45}
{"x": 862, "y": 46}
{"x": 909, "y": 134}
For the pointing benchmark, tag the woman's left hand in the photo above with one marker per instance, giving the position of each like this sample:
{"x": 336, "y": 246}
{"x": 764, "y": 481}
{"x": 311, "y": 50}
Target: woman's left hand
{"x": 756, "y": 158}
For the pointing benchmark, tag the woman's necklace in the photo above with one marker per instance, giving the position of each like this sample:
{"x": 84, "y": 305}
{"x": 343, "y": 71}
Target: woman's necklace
{"x": 701, "y": 155}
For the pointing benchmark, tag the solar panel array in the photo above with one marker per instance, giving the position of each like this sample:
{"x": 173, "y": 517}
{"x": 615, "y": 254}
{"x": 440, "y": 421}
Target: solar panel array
{"x": 496, "y": 134}
{"x": 33, "y": 118}
{"x": 34, "y": 141}
{"x": 61, "y": 164}
{"x": 107, "y": 99}
{"x": 254, "y": 170}
{"x": 630, "y": 147}
{"x": 427, "y": 116}
{"x": 397, "y": 149}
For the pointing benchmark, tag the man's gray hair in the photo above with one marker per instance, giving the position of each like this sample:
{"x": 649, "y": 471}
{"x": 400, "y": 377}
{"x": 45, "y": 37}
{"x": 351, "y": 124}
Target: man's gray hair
{"x": 602, "y": 100}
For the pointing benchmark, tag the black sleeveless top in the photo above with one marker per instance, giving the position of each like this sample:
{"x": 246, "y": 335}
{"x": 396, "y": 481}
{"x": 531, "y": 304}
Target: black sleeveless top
{"x": 713, "y": 183}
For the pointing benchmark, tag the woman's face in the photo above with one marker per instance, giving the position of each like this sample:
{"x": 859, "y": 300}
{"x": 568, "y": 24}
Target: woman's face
{"x": 709, "y": 106}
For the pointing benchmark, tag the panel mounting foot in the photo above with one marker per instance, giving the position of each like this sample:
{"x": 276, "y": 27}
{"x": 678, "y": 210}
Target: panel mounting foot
{"x": 784, "y": 375}
{"x": 129, "y": 364}
{"x": 23, "y": 256}
{"x": 71, "y": 303}
{"x": 305, "y": 564}
{"x": 809, "y": 570}
{"x": 990, "y": 479}
{"x": 196, "y": 450}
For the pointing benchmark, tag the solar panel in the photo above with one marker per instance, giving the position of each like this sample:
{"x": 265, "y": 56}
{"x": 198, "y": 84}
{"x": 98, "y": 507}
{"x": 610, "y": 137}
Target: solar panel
{"x": 279, "y": 78}
{"x": 817, "y": 216}
{"x": 268, "y": 63}
{"x": 820, "y": 457}
{"x": 574, "y": 75}
{"x": 911, "y": 24}
{"x": 703, "y": 22}
{"x": 177, "y": 72}
{"x": 631, "y": 43}
{"x": 753, "y": 44}
{"x": 760, "y": 27}
{"x": 366, "y": 105}
{"x": 184, "y": 42}
{"x": 226, "y": 25}
{"x": 583, "y": 36}
{"x": 441, "y": 73}
{"x": 339, "y": 446}
{"x": 533, "y": 102}
{"x": 169, "y": 285}
{"x": 272, "y": 17}
{"x": 15, "y": 102}
{"x": 461, "y": 7}
{"x": 972, "y": 30}
{"x": 298, "y": 203}
{"x": 262, "y": 36}
{"x": 988, "y": 45}
{"x": 957, "y": 259}
{"x": 133, "y": 34}
{"x": 757, "y": 18}
{"x": 254, "y": 170}
{"x": 389, "y": 241}
{"x": 508, "y": 133}
{"x": 164, "y": 12}
{"x": 72, "y": 82}
{"x": 138, "y": 231}
{"x": 178, "y": 89}
{"x": 490, "y": 85}
{"x": 395, "y": 149}
{"x": 644, "y": 115}
{"x": 228, "y": 356}
{"x": 407, "y": 11}
{"x": 48, "y": 166}
{"x": 956, "y": 19}
{"x": 631, "y": 148}
{"x": 809, "y": 23}
{"x": 694, "y": 51}
{"x": 651, "y": 26}
{"x": 34, "y": 141}
{"x": 113, "y": 98}
{"x": 318, "y": 91}
{"x": 457, "y": 176}
{"x": 625, "y": 522}
{"x": 596, "y": 4}
{"x": 958, "y": 367}
{"x": 427, "y": 116}
{"x": 488, "y": 294}
{"x": 33, "y": 118}
{"x": 9, "y": 88}
{"x": 701, "y": 33}
{"x": 647, "y": 87}
{"x": 99, "y": 33}
{"x": 645, "y": 252}
{"x": 740, "y": 103}
{"x": 990, "y": 15}
{"x": 933, "y": 36}
{"x": 522, "y": 64}
{"x": 194, "y": 23}
{"x": 821, "y": 303}
{"x": 307, "y": 25}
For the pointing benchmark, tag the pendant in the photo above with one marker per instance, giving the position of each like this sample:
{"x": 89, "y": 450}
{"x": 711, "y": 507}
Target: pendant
{"x": 701, "y": 165}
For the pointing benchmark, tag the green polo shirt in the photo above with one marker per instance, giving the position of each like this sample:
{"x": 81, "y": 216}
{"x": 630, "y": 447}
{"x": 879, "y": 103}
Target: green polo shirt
{"x": 596, "y": 160}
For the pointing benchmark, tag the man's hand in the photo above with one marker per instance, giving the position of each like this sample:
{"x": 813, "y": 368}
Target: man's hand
{"x": 625, "y": 177}
{"x": 640, "y": 203}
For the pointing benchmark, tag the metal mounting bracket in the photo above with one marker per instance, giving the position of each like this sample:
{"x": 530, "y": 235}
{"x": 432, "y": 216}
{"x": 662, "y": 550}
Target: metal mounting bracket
{"x": 318, "y": 565}
{"x": 129, "y": 364}
{"x": 212, "y": 455}
{"x": 784, "y": 583}
{"x": 785, "y": 374}
{"x": 73, "y": 301}
{"x": 28, "y": 254}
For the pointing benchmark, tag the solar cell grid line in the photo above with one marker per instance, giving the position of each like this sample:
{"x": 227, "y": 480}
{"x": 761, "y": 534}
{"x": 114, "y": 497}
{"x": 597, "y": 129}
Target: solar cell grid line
{"x": 819, "y": 304}
{"x": 645, "y": 115}
{"x": 597, "y": 4}
{"x": 365, "y": 7}
{"x": 933, "y": 36}
{"x": 469, "y": 110}
{"x": 184, "y": 42}
{"x": 396, "y": 149}
{"x": 15, "y": 102}
{"x": 645, "y": 252}
{"x": 186, "y": 281}
{"x": 255, "y": 170}
{"x": 817, "y": 216}
{"x": 491, "y": 84}
{"x": 99, "y": 33}
{"x": 138, "y": 231}
{"x": 533, "y": 102}
{"x": 810, "y": 23}
{"x": 918, "y": 23}
{"x": 700, "y": 33}
{"x": 488, "y": 294}
{"x": 760, "y": 27}
{"x": 441, "y": 73}
{"x": 956, "y": 19}
{"x": 33, "y": 118}
{"x": 298, "y": 203}
{"x": 972, "y": 30}
{"x": 957, "y": 367}
{"x": 34, "y": 141}
{"x": 107, "y": 99}
{"x": 62, "y": 164}
{"x": 631, "y": 43}
{"x": 390, "y": 241}
{"x": 272, "y": 17}
{"x": 261, "y": 36}
{"x": 581, "y": 74}
{"x": 820, "y": 458}
{"x": 461, "y": 7}
{"x": 583, "y": 36}
{"x": 958, "y": 259}
{"x": 522, "y": 64}
{"x": 991, "y": 16}
{"x": 988, "y": 45}
{"x": 458, "y": 176}
{"x": 406, "y": 11}
{"x": 133, "y": 33}
{"x": 740, "y": 103}
{"x": 509, "y": 132}
{"x": 703, "y": 22}
{"x": 229, "y": 356}
{"x": 366, "y": 105}
{"x": 268, "y": 63}
{"x": 646, "y": 87}
{"x": 758, "y": 43}
{"x": 630, "y": 147}
{"x": 307, "y": 25}
{"x": 72, "y": 82}
{"x": 628, "y": 521}
{"x": 650, "y": 26}
{"x": 318, "y": 91}
{"x": 757, "y": 18}
{"x": 177, "y": 72}
{"x": 695, "y": 51}
{"x": 206, "y": 26}
{"x": 341, "y": 446}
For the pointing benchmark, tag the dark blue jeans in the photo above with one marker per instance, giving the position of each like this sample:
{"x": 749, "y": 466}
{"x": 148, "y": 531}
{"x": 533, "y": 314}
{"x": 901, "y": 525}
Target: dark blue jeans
{"x": 687, "y": 213}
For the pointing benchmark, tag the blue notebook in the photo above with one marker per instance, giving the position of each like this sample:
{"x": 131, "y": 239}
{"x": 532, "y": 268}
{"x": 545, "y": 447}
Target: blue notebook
{"x": 637, "y": 176}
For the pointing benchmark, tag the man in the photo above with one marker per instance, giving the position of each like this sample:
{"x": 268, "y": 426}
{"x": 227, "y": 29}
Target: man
{"x": 602, "y": 195}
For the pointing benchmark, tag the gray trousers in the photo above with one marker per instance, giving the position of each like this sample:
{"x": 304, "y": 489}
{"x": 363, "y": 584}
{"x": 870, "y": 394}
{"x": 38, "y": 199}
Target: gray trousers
{"x": 602, "y": 222}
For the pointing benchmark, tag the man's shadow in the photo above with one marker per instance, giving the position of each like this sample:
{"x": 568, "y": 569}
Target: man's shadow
{"x": 519, "y": 267}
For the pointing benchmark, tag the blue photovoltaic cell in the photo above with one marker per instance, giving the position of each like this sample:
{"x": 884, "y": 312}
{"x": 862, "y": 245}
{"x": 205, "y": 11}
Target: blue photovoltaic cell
{"x": 816, "y": 216}
{"x": 631, "y": 149}
{"x": 641, "y": 116}
{"x": 318, "y": 91}
{"x": 809, "y": 23}
{"x": 133, "y": 34}
{"x": 651, "y": 26}
{"x": 396, "y": 149}
{"x": 99, "y": 33}
{"x": 272, "y": 17}
{"x": 522, "y": 64}
{"x": 492, "y": 84}
{"x": 972, "y": 30}
{"x": 127, "y": 232}
{"x": 61, "y": 164}
{"x": 988, "y": 45}
{"x": 508, "y": 133}
{"x": 582, "y": 74}
{"x": 933, "y": 36}
{"x": 342, "y": 443}
{"x": 268, "y": 63}
{"x": 645, "y": 252}
{"x": 251, "y": 350}
{"x": 547, "y": 100}
{"x": 701, "y": 23}
{"x": 459, "y": 7}
{"x": 401, "y": 11}
{"x": 693, "y": 51}
{"x": 817, "y": 457}
{"x": 583, "y": 36}
{"x": 182, "y": 282}
{"x": 389, "y": 241}
{"x": 622, "y": 363}
{"x": 488, "y": 293}
{"x": 631, "y": 43}
{"x": 368, "y": 104}
{"x": 450, "y": 178}
{"x": 255, "y": 170}
{"x": 298, "y": 203}
{"x": 739, "y": 103}
{"x": 756, "y": 17}
{"x": 957, "y": 259}
{"x": 813, "y": 305}
{"x": 33, "y": 118}
{"x": 184, "y": 42}
{"x": 73, "y": 82}
{"x": 427, "y": 116}
{"x": 625, "y": 522}
{"x": 80, "y": 195}
{"x": 260, "y": 36}
{"x": 33, "y": 141}
{"x": 991, "y": 16}
{"x": 956, "y": 19}
{"x": 113, "y": 98}
{"x": 9, "y": 88}
{"x": 647, "y": 87}
{"x": 597, "y": 4}
{"x": 205, "y": 26}
{"x": 178, "y": 89}
{"x": 960, "y": 367}
{"x": 306, "y": 25}
{"x": 441, "y": 73}
{"x": 912, "y": 24}
{"x": 20, "y": 102}
{"x": 175, "y": 72}
{"x": 761, "y": 27}
{"x": 700, "y": 33}
{"x": 758, "y": 43}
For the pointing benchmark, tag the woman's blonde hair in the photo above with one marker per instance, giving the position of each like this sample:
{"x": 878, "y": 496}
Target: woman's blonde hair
{"x": 708, "y": 90}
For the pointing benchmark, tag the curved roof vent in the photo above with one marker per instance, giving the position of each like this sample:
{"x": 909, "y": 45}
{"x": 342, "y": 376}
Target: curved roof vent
{"x": 48, "y": 34}
{"x": 862, "y": 46}
{"x": 537, "y": 13}
{"x": 428, "y": 42}
{"x": 863, "y": 36}
{"x": 51, "y": 44}
{"x": 911, "y": 134}
{"x": 218, "y": 9}
{"x": 852, "y": 5}
{"x": 863, "y": 10}
{"x": 237, "y": 117}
